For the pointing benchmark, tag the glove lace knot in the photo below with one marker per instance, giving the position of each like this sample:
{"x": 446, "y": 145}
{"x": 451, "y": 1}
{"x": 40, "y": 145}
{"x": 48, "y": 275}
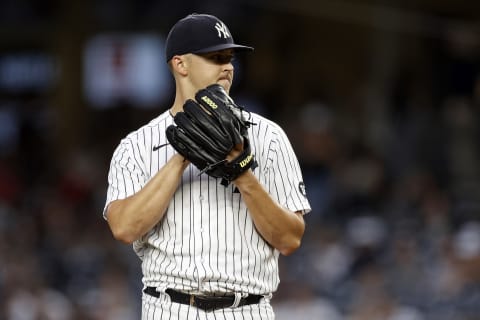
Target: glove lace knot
{"x": 212, "y": 166}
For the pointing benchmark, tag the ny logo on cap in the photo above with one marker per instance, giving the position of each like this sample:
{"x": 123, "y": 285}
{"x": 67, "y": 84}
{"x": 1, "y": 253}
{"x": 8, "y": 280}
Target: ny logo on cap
{"x": 222, "y": 30}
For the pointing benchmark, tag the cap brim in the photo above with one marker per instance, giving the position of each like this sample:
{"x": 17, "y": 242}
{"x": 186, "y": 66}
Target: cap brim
{"x": 236, "y": 47}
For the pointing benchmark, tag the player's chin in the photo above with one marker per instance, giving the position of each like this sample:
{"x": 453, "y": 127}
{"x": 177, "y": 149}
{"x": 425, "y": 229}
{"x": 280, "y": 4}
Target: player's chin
{"x": 225, "y": 83}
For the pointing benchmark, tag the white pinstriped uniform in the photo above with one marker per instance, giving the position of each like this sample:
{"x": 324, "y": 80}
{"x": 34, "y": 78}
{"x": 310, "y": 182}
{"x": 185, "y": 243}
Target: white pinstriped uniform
{"x": 207, "y": 241}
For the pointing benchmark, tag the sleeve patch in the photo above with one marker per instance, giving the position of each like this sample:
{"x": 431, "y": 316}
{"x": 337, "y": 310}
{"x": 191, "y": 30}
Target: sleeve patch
{"x": 301, "y": 187}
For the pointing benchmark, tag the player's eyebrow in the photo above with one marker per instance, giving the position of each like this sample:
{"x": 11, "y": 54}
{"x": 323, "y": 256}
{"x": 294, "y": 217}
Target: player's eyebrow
{"x": 220, "y": 57}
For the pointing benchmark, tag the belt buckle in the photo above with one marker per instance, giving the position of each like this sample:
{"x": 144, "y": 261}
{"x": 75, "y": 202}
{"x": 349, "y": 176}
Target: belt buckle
{"x": 192, "y": 300}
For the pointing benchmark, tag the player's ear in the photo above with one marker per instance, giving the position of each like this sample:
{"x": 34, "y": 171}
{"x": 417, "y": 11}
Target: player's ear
{"x": 179, "y": 65}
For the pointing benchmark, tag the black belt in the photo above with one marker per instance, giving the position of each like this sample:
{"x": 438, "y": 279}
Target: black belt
{"x": 206, "y": 303}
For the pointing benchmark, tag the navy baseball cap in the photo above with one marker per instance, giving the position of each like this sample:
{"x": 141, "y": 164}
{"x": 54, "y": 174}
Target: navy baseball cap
{"x": 199, "y": 33}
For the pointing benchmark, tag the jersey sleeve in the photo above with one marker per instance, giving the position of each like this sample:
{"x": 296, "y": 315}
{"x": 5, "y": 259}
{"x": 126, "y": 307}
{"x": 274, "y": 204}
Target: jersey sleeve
{"x": 125, "y": 176}
{"x": 286, "y": 176}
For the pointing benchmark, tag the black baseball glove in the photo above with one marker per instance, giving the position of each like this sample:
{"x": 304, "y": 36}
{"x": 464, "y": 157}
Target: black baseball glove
{"x": 207, "y": 131}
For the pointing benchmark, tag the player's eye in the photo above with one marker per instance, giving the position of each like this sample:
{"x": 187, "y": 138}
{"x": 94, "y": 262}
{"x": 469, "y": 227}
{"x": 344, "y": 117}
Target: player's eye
{"x": 220, "y": 58}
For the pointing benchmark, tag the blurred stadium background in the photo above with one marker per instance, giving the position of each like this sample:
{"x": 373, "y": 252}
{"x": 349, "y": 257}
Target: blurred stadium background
{"x": 381, "y": 102}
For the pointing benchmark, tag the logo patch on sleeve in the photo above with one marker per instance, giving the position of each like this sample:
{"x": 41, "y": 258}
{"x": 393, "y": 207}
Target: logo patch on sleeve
{"x": 301, "y": 187}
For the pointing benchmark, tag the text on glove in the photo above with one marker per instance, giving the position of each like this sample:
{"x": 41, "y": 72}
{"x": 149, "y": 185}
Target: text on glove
{"x": 209, "y": 102}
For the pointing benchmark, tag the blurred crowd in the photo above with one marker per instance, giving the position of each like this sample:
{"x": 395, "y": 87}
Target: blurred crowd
{"x": 395, "y": 231}
{"x": 393, "y": 176}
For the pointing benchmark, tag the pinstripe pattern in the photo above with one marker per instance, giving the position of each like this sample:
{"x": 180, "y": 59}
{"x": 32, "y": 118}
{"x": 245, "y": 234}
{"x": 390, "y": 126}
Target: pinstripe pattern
{"x": 207, "y": 241}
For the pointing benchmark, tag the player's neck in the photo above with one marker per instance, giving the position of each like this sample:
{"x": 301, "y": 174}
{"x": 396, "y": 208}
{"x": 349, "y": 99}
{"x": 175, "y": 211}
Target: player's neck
{"x": 175, "y": 108}
{"x": 182, "y": 94}
{"x": 178, "y": 103}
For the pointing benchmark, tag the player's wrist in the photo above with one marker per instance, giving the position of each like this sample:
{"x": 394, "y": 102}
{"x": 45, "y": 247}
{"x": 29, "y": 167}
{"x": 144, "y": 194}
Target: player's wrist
{"x": 245, "y": 179}
{"x": 181, "y": 160}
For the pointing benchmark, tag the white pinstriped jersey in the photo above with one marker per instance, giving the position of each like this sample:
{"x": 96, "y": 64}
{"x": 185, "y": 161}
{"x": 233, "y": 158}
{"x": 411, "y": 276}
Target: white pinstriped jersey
{"x": 207, "y": 242}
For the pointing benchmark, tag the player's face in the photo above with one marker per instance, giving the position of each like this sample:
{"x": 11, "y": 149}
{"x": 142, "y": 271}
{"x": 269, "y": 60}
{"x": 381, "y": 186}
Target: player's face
{"x": 213, "y": 67}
